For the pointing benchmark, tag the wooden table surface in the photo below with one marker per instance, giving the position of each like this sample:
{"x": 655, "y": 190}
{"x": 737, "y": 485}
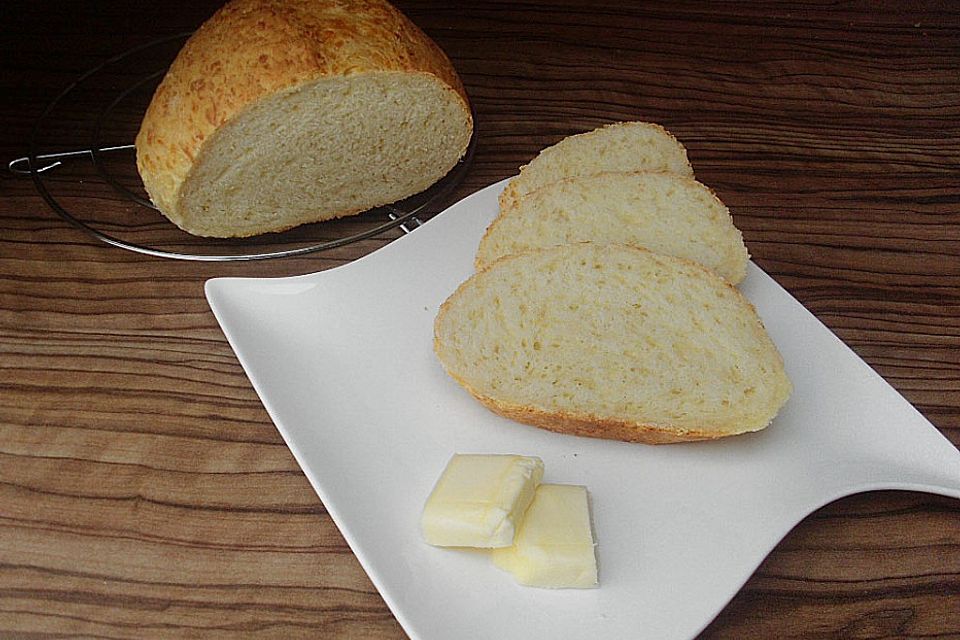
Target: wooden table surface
{"x": 144, "y": 492}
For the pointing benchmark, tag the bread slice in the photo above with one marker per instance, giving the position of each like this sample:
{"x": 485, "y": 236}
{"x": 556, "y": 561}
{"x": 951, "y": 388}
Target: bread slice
{"x": 622, "y": 146}
{"x": 278, "y": 113}
{"x": 612, "y": 341}
{"x": 663, "y": 212}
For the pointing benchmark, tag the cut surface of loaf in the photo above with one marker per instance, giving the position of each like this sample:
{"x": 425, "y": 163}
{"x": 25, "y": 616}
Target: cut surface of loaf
{"x": 612, "y": 341}
{"x": 663, "y": 212}
{"x": 622, "y": 146}
{"x": 280, "y": 112}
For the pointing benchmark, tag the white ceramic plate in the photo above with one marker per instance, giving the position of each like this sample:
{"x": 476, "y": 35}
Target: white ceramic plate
{"x": 343, "y": 362}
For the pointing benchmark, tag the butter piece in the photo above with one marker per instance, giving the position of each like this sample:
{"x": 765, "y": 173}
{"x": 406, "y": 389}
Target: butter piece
{"x": 554, "y": 547}
{"x": 479, "y": 500}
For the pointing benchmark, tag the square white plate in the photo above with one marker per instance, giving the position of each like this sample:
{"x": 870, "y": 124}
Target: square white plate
{"x": 343, "y": 362}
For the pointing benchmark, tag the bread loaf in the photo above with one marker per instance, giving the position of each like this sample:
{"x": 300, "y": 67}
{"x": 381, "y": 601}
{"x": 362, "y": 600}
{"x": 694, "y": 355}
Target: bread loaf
{"x": 622, "y": 146}
{"x": 663, "y": 212}
{"x": 280, "y": 112}
{"x": 612, "y": 341}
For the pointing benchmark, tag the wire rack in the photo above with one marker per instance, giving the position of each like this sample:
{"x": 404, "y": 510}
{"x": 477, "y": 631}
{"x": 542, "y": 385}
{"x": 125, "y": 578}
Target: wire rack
{"x": 82, "y": 164}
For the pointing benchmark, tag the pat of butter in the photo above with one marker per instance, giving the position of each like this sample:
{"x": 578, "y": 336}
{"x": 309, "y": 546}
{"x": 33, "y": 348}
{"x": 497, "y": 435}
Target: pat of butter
{"x": 554, "y": 546}
{"x": 479, "y": 500}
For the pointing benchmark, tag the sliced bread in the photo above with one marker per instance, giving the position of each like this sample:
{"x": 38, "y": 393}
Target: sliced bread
{"x": 622, "y": 146}
{"x": 279, "y": 113}
{"x": 663, "y": 212}
{"x": 612, "y": 341}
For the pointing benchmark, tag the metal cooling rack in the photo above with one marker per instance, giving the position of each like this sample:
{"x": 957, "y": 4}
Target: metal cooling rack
{"x": 97, "y": 165}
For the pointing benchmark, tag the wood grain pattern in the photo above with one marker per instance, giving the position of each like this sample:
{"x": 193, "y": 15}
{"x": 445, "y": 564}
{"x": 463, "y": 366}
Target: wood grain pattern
{"x": 144, "y": 492}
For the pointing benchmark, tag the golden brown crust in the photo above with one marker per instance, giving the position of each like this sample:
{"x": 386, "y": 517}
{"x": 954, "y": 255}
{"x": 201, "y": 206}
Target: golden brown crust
{"x": 595, "y": 426}
{"x": 253, "y": 48}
